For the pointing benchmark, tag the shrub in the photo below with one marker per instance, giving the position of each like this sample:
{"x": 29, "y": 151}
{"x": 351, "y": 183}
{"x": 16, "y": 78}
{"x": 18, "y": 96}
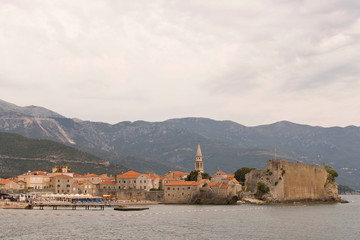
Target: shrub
{"x": 261, "y": 189}
{"x": 332, "y": 174}
{"x": 240, "y": 174}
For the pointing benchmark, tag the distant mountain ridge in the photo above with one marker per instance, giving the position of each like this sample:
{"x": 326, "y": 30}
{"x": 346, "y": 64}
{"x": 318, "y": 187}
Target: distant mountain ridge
{"x": 170, "y": 145}
{"x": 33, "y": 111}
{"x": 19, "y": 154}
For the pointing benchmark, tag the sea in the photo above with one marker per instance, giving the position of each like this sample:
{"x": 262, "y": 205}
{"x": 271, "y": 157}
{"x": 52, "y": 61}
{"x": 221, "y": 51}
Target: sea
{"x": 285, "y": 221}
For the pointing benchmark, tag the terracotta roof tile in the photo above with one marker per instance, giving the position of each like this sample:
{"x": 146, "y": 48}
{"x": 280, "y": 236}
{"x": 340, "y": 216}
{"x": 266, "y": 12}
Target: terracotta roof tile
{"x": 79, "y": 182}
{"x": 180, "y": 183}
{"x": 62, "y": 176}
{"x": 91, "y": 175}
{"x": 78, "y": 175}
{"x": 130, "y": 174}
{"x": 108, "y": 182}
{"x": 201, "y": 182}
{"x": 214, "y": 184}
{"x": 224, "y": 186}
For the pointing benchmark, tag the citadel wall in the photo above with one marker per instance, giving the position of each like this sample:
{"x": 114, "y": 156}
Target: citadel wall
{"x": 293, "y": 181}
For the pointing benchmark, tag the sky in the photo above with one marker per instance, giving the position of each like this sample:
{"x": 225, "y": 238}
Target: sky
{"x": 252, "y": 62}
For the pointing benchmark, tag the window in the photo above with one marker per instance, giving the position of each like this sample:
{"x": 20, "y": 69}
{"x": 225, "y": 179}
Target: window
{"x": 58, "y": 186}
{"x": 188, "y": 187}
{"x": 68, "y": 180}
{"x": 168, "y": 188}
{"x": 68, "y": 185}
{"x": 144, "y": 181}
{"x": 141, "y": 181}
{"x": 58, "y": 180}
{"x": 89, "y": 186}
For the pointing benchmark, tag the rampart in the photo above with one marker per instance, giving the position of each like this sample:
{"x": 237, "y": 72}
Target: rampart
{"x": 293, "y": 181}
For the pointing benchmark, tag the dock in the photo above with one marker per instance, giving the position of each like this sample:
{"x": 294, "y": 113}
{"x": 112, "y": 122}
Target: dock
{"x": 74, "y": 206}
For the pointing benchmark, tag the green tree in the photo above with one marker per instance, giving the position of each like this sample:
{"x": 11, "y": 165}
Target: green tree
{"x": 193, "y": 176}
{"x": 240, "y": 174}
{"x": 332, "y": 174}
{"x": 261, "y": 189}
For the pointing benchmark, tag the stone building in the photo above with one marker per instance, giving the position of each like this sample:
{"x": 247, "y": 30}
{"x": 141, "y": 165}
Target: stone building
{"x": 107, "y": 188}
{"x": 62, "y": 184}
{"x": 12, "y": 185}
{"x": 36, "y": 180}
{"x": 127, "y": 180}
{"x": 84, "y": 187}
{"x": 182, "y": 191}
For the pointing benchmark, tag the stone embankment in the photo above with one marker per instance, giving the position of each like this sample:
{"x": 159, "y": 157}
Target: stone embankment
{"x": 14, "y": 205}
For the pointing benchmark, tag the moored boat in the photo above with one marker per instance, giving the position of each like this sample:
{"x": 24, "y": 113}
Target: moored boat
{"x": 130, "y": 208}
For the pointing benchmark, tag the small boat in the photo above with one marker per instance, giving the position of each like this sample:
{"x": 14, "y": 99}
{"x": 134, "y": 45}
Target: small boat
{"x": 130, "y": 208}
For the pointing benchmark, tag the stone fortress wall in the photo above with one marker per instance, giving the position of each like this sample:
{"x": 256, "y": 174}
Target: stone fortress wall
{"x": 293, "y": 181}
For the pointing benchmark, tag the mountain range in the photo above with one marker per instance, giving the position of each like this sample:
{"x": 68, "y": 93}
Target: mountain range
{"x": 170, "y": 145}
{"x": 19, "y": 154}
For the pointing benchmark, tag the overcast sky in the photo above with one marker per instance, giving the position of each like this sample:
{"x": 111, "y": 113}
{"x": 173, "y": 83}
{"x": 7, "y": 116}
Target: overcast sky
{"x": 253, "y": 62}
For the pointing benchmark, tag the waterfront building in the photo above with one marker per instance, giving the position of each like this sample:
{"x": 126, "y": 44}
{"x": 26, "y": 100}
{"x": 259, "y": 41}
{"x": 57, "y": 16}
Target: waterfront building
{"x": 127, "y": 180}
{"x": 84, "y": 187}
{"x": 95, "y": 179}
{"x": 62, "y": 184}
{"x": 107, "y": 188}
{"x": 13, "y": 185}
{"x": 36, "y": 180}
{"x": 182, "y": 191}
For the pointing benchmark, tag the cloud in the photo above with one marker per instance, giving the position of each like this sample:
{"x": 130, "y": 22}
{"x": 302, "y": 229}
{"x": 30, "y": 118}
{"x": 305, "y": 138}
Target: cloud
{"x": 251, "y": 62}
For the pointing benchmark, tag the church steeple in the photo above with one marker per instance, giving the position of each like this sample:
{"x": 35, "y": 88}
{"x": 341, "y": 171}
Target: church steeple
{"x": 199, "y": 165}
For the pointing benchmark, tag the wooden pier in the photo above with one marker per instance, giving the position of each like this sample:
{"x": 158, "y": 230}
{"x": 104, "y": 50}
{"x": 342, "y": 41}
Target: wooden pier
{"x": 73, "y": 206}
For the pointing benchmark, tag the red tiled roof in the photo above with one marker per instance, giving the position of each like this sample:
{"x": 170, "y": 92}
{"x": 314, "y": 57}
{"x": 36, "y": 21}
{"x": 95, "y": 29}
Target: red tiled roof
{"x": 79, "y": 182}
{"x": 106, "y": 178}
{"x": 186, "y": 183}
{"x": 214, "y": 184}
{"x": 201, "y": 182}
{"x": 223, "y": 186}
{"x": 108, "y": 182}
{"x": 5, "y": 181}
{"x": 180, "y": 183}
{"x": 91, "y": 175}
{"x": 62, "y": 176}
{"x": 78, "y": 175}
{"x": 130, "y": 174}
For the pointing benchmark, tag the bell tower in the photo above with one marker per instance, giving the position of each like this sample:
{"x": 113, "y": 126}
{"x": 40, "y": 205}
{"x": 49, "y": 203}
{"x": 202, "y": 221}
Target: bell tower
{"x": 199, "y": 165}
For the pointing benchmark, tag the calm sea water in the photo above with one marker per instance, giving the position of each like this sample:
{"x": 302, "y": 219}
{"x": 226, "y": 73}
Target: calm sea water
{"x": 327, "y": 221}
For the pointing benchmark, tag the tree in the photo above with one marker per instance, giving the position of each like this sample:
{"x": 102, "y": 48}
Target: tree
{"x": 193, "y": 176}
{"x": 262, "y": 189}
{"x": 240, "y": 174}
{"x": 332, "y": 174}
